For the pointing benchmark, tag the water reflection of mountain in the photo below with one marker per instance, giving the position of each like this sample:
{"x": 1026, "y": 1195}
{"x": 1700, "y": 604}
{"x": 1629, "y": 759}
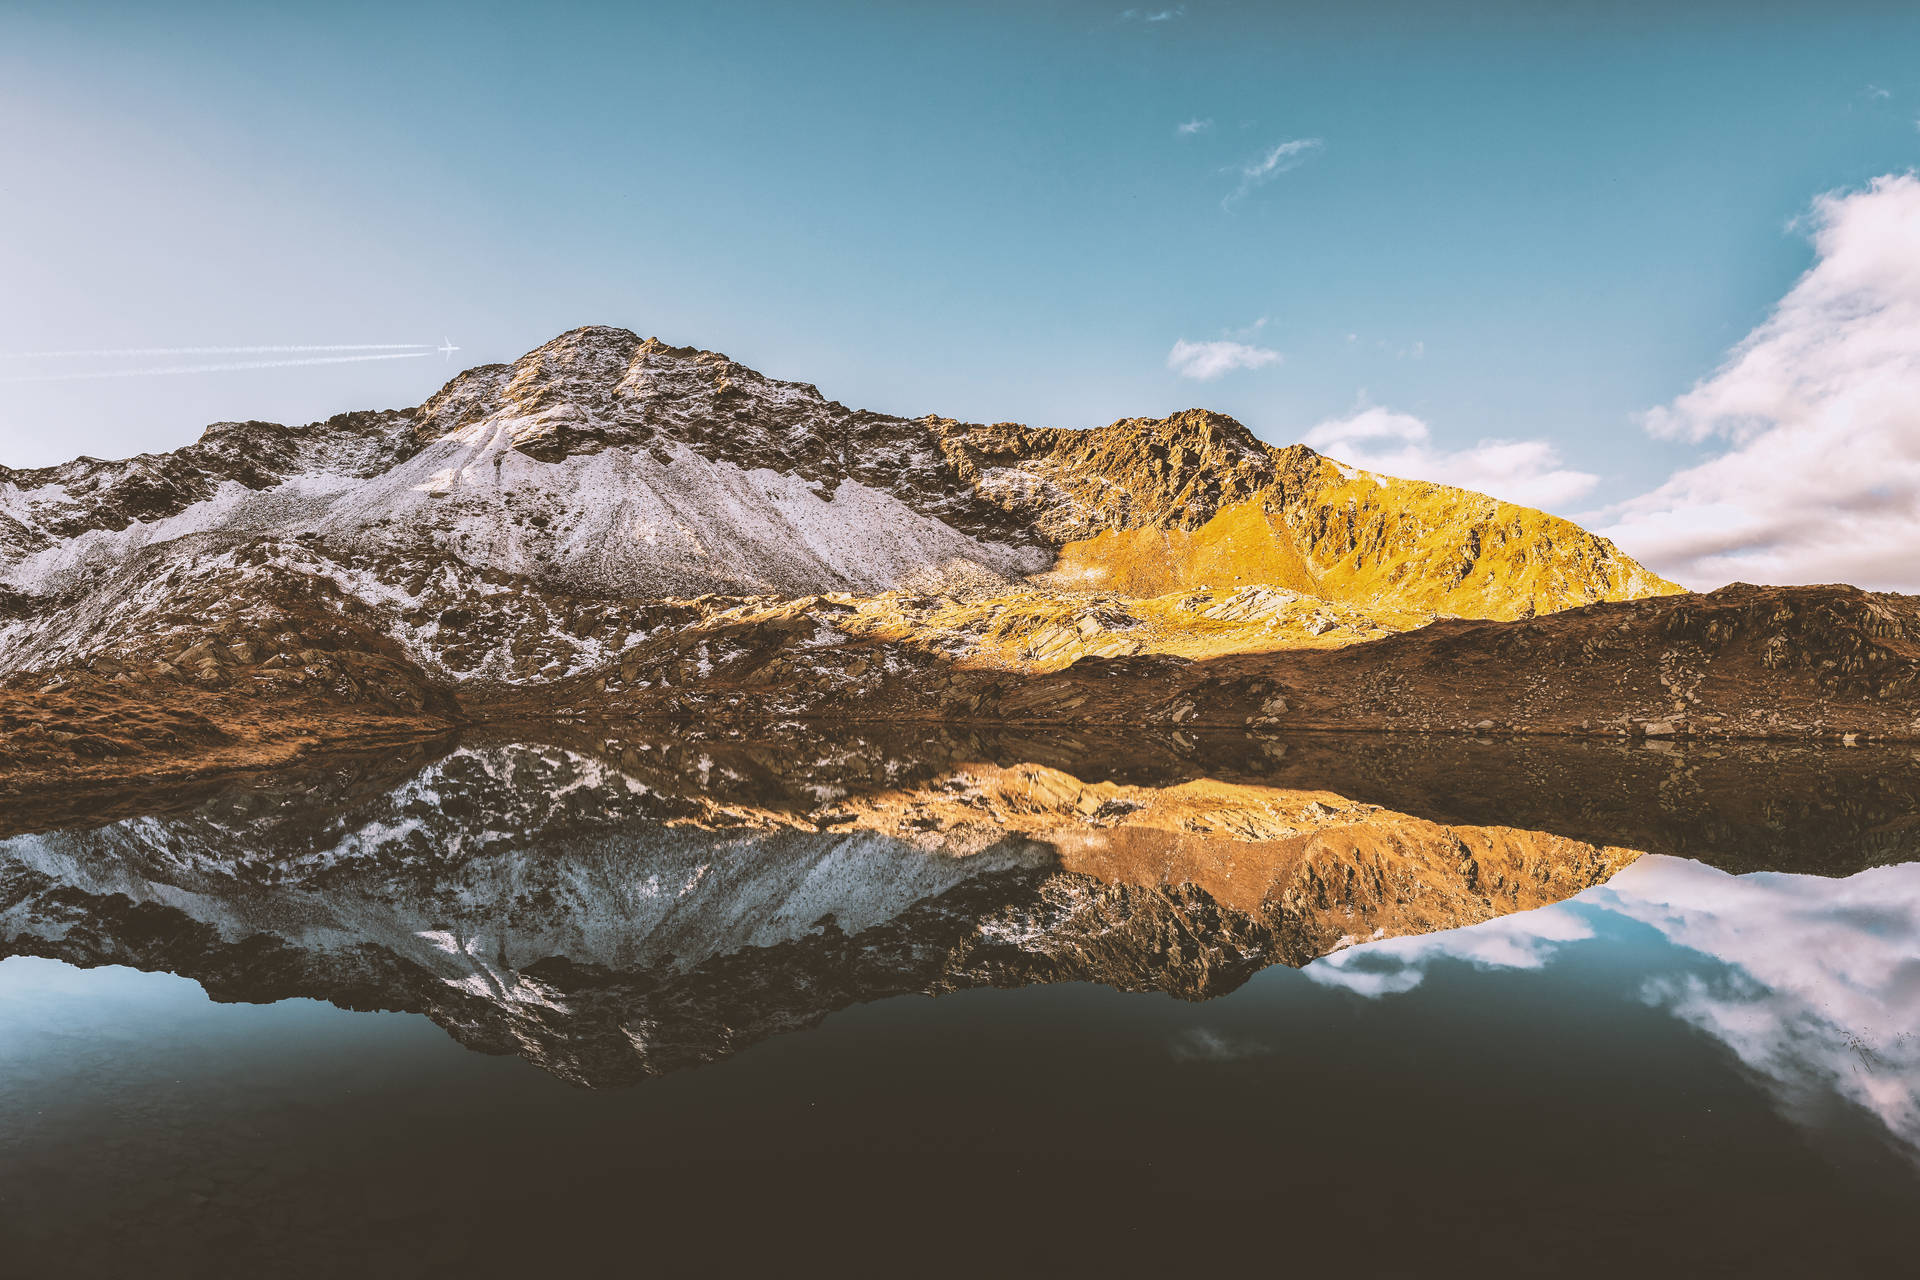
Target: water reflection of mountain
{"x": 617, "y": 907}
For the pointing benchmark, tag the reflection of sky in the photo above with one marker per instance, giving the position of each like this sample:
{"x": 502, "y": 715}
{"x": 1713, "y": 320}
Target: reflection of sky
{"x": 1813, "y": 983}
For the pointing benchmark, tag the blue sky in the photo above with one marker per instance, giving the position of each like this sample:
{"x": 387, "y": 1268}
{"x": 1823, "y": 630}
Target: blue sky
{"x": 1521, "y": 223}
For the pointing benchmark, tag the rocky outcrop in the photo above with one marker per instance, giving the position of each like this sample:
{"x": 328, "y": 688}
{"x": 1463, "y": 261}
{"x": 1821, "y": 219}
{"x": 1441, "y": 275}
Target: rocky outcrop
{"x": 1831, "y": 663}
{"x": 43, "y": 507}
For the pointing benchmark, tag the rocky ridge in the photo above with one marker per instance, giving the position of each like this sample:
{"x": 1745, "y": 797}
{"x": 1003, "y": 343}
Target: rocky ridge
{"x": 603, "y": 466}
{"x": 616, "y": 526}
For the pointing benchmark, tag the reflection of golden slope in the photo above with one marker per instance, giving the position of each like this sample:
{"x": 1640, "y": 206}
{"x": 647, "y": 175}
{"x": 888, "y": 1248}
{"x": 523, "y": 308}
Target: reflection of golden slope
{"x": 1337, "y": 869}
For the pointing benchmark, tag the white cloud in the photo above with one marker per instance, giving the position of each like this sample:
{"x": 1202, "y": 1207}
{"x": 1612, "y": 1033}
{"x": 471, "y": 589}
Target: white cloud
{"x": 1153, "y": 15}
{"x": 1398, "y": 444}
{"x": 1192, "y": 127}
{"x": 1817, "y": 413}
{"x": 1270, "y": 164}
{"x": 1205, "y": 361}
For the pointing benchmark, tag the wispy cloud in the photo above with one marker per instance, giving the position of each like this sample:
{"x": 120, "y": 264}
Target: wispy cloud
{"x": 1153, "y": 15}
{"x": 1191, "y": 127}
{"x": 1528, "y": 472}
{"x": 1817, "y": 417}
{"x": 1268, "y": 165}
{"x": 108, "y": 352}
{"x": 226, "y": 366}
{"x": 1205, "y": 361}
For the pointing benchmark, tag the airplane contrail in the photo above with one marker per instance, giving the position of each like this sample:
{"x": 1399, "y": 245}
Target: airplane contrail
{"x": 230, "y": 366}
{"x": 214, "y": 351}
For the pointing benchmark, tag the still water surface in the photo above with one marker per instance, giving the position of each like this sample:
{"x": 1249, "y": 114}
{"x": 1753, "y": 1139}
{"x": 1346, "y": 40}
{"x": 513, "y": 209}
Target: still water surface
{"x": 667, "y": 1005}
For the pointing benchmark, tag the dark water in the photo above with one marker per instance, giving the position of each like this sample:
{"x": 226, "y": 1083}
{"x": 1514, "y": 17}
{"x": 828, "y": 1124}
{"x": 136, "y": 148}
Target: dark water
{"x": 664, "y": 1004}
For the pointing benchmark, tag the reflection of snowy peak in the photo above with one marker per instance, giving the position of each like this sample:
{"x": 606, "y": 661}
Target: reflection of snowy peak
{"x": 478, "y": 892}
{"x": 610, "y": 922}
{"x": 505, "y": 856}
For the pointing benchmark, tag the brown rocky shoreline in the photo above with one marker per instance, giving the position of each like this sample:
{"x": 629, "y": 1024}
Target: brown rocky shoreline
{"x": 1828, "y": 664}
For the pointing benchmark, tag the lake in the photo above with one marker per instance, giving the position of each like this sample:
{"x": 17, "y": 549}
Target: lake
{"x": 574, "y": 998}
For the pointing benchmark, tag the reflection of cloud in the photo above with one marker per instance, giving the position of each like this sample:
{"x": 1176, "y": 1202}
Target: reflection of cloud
{"x": 1522, "y": 941}
{"x": 1816, "y": 989}
{"x": 1202, "y": 1045}
{"x": 1822, "y": 990}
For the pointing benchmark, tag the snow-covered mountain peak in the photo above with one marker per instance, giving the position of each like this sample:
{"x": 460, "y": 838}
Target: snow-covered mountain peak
{"x": 603, "y": 470}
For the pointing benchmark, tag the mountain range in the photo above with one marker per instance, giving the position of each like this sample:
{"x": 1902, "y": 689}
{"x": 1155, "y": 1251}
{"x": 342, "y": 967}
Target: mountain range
{"x": 616, "y": 526}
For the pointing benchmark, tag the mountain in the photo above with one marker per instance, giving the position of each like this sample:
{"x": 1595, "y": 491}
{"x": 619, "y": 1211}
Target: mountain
{"x": 615, "y": 525}
{"x": 601, "y": 463}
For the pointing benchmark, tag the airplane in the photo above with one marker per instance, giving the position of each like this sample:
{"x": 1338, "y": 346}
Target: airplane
{"x": 446, "y": 348}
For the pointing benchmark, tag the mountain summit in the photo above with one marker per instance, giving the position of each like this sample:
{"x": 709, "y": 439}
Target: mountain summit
{"x": 605, "y": 464}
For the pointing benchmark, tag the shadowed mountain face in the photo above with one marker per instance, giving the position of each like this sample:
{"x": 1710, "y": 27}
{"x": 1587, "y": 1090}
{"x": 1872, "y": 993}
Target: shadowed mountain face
{"x": 614, "y": 907}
